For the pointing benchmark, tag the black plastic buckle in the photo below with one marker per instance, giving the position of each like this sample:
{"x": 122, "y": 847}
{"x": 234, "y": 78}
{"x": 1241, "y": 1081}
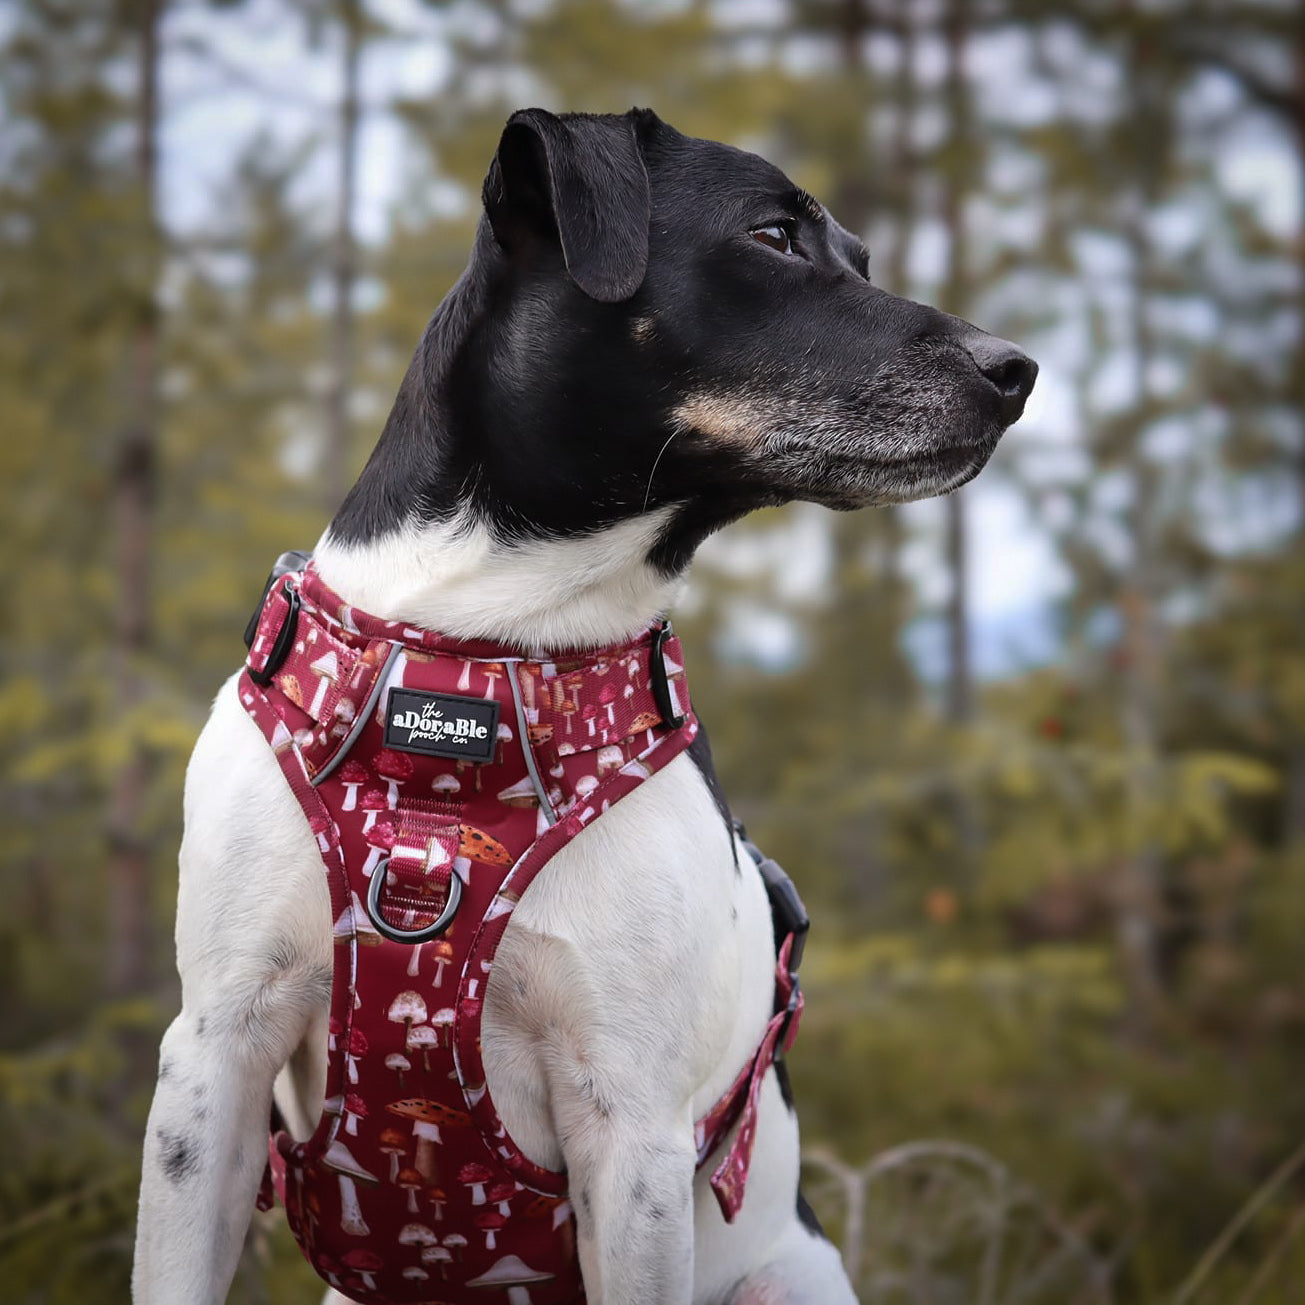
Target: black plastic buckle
{"x": 786, "y": 908}
{"x": 661, "y": 689}
{"x": 285, "y": 637}
{"x": 294, "y": 560}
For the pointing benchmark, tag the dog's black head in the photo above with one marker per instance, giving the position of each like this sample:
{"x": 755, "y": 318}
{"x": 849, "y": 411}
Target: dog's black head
{"x": 651, "y": 321}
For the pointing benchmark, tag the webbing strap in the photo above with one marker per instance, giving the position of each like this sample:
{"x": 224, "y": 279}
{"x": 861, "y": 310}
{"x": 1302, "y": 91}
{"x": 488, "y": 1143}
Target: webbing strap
{"x": 421, "y": 839}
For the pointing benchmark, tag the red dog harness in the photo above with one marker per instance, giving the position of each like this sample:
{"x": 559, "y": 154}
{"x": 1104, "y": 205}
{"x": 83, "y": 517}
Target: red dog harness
{"x": 438, "y": 778}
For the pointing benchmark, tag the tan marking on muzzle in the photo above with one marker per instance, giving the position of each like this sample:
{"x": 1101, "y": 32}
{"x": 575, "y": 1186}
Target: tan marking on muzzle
{"x": 728, "y": 418}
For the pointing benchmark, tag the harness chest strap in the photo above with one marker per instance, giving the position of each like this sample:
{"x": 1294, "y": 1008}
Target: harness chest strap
{"x": 316, "y": 673}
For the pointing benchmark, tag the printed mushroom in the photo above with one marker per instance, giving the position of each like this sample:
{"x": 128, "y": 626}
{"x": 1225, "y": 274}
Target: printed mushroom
{"x": 442, "y": 1019}
{"x": 353, "y": 775}
{"x": 394, "y": 768}
{"x": 344, "y": 717}
{"x": 400, "y": 1064}
{"x": 456, "y": 1242}
{"x": 327, "y": 670}
{"x": 492, "y": 671}
{"x": 438, "y": 1198}
{"x": 333, "y": 1030}
{"x": 411, "y": 1181}
{"x": 329, "y": 1268}
{"x": 407, "y": 1009}
{"x": 490, "y": 1223}
{"x": 646, "y": 720}
{"x": 422, "y": 1037}
{"x": 438, "y": 1255}
{"x": 510, "y": 1274}
{"x": 610, "y": 758}
{"x": 521, "y": 794}
{"x": 339, "y": 1161}
{"x": 443, "y": 955}
{"x": 590, "y": 716}
{"x": 584, "y": 787}
{"x": 357, "y": 1049}
{"x": 354, "y": 923}
{"x": 475, "y": 1176}
{"x": 381, "y": 840}
{"x": 527, "y": 674}
{"x": 355, "y": 1108}
{"x": 414, "y": 959}
{"x": 427, "y": 1116}
{"x": 372, "y": 803}
{"x": 539, "y": 733}
{"x": 445, "y": 785}
{"x": 365, "y": 1263}
{"x": 415, "y": 1273}
{"x": 607, "y": 699}
{"x": 483, "y": 847}
{"x": 500, "y": 1194}
{"x": 417, "y": 1234}
{"x": 392, "y": 1145}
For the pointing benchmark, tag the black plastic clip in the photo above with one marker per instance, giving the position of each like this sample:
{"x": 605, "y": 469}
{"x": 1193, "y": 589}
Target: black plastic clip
{"x": 285, "y": 638}
{"x": 660, "y": 685}
{"x": 287, "y": 562}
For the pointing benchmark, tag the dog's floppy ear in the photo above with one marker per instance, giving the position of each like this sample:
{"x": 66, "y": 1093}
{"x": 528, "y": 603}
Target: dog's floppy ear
{"x": 582, "y": 182}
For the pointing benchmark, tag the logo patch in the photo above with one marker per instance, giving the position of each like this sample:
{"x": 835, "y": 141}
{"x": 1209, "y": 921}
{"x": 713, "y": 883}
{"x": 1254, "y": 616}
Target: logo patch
{"x": 441, "y": 725}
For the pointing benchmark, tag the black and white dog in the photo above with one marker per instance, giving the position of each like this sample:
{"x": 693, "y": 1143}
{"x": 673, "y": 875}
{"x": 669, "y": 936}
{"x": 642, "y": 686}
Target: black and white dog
{"x": 655, "y": 334}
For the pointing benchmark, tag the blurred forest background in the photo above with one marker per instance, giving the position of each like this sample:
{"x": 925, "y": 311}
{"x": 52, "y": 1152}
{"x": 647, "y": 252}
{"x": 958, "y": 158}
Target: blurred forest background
{"x": 1043, "y": 783}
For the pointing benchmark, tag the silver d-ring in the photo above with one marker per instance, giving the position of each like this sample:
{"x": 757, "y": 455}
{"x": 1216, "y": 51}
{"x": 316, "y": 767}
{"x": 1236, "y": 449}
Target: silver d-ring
{"x": 410, "y": 935}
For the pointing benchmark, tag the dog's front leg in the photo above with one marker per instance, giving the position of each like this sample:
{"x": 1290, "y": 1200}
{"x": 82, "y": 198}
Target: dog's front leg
{"x": 253, "y": 951}
{"x": 205, "y": 1148}
{"x": 631, "y": 1184}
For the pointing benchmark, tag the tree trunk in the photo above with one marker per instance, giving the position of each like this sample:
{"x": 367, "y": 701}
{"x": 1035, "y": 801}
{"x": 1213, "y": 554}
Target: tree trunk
{"x": 130, "y": 949}
{"x": 344, "y": 267}
{"x": 956, "y": 294}
{"x": 1294, "y": 786}
{"x": 1139, "y": 887}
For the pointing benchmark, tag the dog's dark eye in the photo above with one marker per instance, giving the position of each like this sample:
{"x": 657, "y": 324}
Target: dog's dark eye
{"x": 776, "y": 237}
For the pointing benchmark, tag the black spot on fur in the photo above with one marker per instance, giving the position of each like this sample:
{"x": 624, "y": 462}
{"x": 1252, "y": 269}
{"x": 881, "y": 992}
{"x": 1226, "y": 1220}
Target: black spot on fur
{"x": 582, "y": 1200}
{"x": 177, "y": 1156}
{"x": 199, "y": 1026}
{"x": 165, "y": 1068}
{"x": 639, "y": 1191}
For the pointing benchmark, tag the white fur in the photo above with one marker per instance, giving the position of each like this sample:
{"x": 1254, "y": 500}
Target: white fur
{"x": 554, "y": 594}
{"x": 642, "y": 996}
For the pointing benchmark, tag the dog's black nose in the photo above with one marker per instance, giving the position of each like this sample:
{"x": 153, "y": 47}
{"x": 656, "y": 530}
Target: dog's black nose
{"x": 1010, "y": 369}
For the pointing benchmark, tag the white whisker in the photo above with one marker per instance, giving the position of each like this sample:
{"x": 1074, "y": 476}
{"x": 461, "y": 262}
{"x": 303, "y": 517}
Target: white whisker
{"x": 648, "y": 492}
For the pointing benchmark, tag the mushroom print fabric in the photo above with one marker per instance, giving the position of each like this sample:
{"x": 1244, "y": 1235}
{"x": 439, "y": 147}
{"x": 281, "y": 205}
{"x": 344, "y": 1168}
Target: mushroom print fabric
{"x": 424, "y": 760}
